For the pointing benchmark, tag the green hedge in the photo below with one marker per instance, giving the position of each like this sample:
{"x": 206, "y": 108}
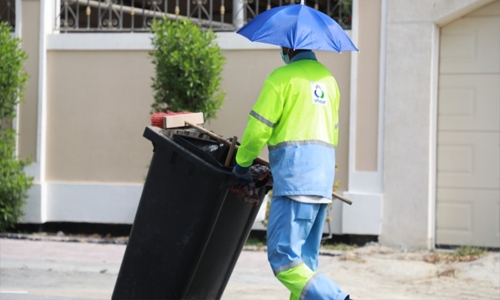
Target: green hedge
{"x": 14, "y": 184}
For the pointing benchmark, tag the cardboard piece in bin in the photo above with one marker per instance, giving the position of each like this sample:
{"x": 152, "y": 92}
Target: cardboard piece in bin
{"x": 176, "y": 120}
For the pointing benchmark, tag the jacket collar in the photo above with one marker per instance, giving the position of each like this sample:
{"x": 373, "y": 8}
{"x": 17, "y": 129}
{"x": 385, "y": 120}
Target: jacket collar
{"x": 304, "y": 55}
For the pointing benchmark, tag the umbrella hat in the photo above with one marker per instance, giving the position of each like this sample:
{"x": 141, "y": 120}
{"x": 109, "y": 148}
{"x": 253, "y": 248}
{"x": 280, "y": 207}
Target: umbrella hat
{"x": 298, "y": 27}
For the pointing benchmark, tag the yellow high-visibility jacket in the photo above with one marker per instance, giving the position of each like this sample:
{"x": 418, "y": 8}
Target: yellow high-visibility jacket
{"x": 296, "y": 115}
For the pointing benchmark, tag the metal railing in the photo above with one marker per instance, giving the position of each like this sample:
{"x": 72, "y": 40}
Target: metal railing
{"x": 137, "y": 15}
{"x": 8, "y": 13}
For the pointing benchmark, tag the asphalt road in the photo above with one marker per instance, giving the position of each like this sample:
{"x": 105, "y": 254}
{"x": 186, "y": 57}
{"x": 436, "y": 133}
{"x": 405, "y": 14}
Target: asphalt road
{"x": 77, "y": 270}
{"x": 80, "y": 270}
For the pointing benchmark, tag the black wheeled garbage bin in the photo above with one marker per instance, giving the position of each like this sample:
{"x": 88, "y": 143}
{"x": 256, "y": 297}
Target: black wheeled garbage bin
{"x": 189, "y": 228}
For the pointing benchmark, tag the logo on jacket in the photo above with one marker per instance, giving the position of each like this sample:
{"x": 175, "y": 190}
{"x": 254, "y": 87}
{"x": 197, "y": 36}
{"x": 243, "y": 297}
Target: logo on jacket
{"x": 318, "y": 93}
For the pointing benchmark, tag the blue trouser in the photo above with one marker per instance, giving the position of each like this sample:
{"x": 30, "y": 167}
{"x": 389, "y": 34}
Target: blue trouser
{"x": 293, "y": 238}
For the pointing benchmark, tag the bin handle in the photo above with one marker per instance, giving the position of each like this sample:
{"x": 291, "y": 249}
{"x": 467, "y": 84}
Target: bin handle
{"x": 258, "y": 159}
{"x": 231, "y": 151}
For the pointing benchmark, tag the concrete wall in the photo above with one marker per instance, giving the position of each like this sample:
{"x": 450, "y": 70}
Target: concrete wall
{"x": 95, "y": 114}
{"x": 98, "y": 105}
{"x": 97, "y": 98}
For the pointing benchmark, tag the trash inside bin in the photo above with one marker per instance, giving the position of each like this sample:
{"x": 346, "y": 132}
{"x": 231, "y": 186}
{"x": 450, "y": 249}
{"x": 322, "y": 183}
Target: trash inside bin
{"x": 189, "y": 228}
{"x": 210, "y": 151}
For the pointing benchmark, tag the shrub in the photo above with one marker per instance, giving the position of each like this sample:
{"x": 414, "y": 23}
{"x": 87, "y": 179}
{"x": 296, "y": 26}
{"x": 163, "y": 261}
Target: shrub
{"x": 188, "y": 65}
{"x": 14, "y": 183}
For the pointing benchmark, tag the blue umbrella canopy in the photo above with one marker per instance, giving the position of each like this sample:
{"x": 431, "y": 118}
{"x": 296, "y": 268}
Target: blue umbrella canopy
{"x": 298, "y": 26}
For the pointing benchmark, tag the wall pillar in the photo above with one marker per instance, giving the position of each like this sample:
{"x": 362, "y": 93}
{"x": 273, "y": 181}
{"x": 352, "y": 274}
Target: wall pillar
{"x": 364, "y": 217}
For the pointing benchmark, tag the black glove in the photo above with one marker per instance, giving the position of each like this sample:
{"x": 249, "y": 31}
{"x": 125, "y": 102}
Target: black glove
{"x": 243, "y": 173}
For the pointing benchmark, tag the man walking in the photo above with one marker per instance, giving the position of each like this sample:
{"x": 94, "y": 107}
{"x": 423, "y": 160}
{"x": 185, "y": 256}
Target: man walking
{"x": 296, "y": 115}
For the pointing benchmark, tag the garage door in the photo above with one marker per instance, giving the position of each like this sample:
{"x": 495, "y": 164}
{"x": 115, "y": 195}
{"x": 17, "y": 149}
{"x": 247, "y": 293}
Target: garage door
{"x": 468, "y": 146}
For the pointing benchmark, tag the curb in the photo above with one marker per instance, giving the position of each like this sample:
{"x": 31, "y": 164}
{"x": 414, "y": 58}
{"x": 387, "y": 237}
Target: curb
{"x": 35, "y": 237}
{"x": 119, "y": 241}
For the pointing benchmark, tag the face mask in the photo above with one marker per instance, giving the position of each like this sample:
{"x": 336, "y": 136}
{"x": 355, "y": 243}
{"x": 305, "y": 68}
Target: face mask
{"x": 284, "y": 57}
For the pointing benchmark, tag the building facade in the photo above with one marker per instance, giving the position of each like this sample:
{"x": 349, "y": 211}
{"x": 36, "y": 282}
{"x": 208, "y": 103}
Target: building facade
{"x": 418, "y": 151}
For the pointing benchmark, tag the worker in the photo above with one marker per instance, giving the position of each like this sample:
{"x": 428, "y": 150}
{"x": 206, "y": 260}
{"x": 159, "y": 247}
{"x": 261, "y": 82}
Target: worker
{"x": 296, "y": 115}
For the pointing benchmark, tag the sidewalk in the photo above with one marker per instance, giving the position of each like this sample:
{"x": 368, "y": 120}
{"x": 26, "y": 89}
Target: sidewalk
{"x": 47, "y": 269}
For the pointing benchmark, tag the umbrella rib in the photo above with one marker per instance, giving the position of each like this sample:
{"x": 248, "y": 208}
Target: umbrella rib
{"x": 296, "y": 27}
{"x": 340, "y": 46}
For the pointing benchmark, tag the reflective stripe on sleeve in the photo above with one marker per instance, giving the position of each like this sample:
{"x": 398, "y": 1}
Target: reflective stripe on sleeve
{"x": 262, "y": 119}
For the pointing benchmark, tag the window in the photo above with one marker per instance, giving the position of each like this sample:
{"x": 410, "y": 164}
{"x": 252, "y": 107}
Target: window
{"x": 8, "y": 13}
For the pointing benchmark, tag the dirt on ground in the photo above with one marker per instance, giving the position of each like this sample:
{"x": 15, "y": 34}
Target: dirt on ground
{"x": 378, "y": 272}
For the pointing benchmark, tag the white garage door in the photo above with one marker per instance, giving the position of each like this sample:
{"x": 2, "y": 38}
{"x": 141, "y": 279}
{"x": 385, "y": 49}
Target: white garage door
{"x": 468, "y": 146}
